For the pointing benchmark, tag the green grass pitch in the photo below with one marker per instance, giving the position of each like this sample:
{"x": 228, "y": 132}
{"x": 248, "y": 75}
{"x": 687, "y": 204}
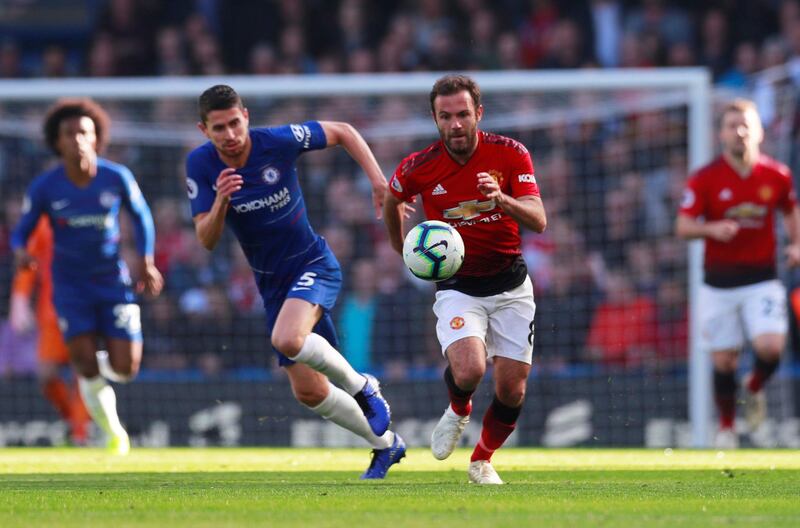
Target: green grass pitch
{"x": 320, "y": 488}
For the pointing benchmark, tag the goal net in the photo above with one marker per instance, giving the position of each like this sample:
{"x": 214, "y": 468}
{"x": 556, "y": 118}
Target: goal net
{"x": 611, "y": 354}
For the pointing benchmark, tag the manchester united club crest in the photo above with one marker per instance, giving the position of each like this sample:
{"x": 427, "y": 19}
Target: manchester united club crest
{"x": 457, "y": 323}
{"x": 497, "y": 175}
{"x": 765, "y": 193}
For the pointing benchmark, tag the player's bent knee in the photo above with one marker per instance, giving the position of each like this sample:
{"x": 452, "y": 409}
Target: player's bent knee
{"x": 126, "y": 369}
{"x": 770, "y": 354}
{"x": 725, "y": 367}
{"x": 512, "y": 397}
{"x": 85, "y": 369}
{"x": 309, "y": 396}
{"x": 725, "y": 361}
{"x": 289, "y": 346}
{"x": 769, "y": 347}
{"x": 468, "y": 378}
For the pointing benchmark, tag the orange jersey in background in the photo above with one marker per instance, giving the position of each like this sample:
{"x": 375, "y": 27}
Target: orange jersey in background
{"x": 26, "y": 282}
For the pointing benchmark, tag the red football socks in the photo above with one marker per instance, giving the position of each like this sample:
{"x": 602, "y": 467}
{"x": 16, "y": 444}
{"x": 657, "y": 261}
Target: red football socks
{"x": 498, "y": 424}
{"x": 460, "y": 400}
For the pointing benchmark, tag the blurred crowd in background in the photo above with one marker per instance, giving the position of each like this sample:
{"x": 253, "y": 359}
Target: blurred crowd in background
{"x": 102, "y": 38}
{"x": 610, "y": 278}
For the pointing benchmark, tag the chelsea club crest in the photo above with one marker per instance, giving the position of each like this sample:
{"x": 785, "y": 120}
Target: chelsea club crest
{"x": 270, "y": 175}
{"x": 107, "y": 199}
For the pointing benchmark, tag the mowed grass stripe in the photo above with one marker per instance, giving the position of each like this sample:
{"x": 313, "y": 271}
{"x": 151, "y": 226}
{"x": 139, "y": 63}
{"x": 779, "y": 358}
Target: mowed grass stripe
{"x": 73, "y": 460}
{"x": 292, "y": 487}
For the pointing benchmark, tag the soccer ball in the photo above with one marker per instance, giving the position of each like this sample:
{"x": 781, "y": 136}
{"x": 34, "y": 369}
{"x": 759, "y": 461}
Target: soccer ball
{"x": 433, "y": 251}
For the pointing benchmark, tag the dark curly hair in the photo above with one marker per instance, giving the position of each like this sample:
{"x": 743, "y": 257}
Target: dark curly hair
{"x": 69, "y": 108}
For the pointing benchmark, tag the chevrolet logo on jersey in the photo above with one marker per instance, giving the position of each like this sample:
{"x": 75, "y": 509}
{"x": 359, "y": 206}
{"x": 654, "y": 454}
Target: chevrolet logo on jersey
{"x": 747, "y": 210}
{"x": 469, "y": 209}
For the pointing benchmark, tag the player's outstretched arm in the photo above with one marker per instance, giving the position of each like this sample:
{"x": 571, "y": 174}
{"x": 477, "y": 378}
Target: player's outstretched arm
{"x": 347, "y": 136}
{"x": 393, "y": 219}
{"x": 209, "y": 225}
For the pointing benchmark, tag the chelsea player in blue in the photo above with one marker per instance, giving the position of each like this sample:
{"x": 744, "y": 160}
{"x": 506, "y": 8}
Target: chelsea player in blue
{"x": 92, "y": 289}
{"x": 246, "y": 178}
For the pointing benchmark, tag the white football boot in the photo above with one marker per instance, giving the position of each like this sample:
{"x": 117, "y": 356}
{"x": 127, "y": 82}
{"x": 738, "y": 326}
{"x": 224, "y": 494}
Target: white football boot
{"x": 482, "y": 472}
{"x": 726, "y": 439}
{"x": 447, "y": 433}
{"x": 755, "y": 406}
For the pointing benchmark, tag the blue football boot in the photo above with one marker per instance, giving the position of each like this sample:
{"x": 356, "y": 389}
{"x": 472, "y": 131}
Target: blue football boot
{"x": 382, "y": 459}
{"x": 374, "y": 407}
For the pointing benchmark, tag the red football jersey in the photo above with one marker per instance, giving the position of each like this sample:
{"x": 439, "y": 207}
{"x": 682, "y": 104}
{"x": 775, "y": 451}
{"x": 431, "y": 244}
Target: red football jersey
{"x": 450, "y": 194}
{"x": 717, "y": 192}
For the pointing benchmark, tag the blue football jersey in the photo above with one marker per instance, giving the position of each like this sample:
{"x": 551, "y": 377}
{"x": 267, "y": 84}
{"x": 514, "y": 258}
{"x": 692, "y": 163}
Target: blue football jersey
{"x": 268, "y": 214}
{"x": 85, "y": 220}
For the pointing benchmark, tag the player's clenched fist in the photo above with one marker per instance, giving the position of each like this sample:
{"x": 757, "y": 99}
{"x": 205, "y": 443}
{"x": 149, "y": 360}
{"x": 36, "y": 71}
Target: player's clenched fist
{"x": 488, "y": 186}
{"x": 228, "y": 182}
{"x": 152, "y": 281}
{"x": 723, "y": 230}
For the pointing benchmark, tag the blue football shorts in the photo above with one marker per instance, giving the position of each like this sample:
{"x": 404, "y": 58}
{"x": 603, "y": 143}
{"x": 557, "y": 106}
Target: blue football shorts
{"x": 317, "y": 282}
{"x": 104, "y": 306}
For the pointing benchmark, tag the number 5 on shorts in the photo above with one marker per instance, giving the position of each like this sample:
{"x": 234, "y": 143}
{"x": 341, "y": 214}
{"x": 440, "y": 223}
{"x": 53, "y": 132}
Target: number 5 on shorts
{"x": 305, "y": 282}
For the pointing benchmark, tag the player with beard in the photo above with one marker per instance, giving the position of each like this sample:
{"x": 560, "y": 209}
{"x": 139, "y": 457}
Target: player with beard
{"x": 736, "y": 195}
{"x": 483, "y": 185}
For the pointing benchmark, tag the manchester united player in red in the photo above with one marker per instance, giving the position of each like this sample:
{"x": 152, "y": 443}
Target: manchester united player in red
{"x": 737, "y": 196}
{"x": 483, "y": 185}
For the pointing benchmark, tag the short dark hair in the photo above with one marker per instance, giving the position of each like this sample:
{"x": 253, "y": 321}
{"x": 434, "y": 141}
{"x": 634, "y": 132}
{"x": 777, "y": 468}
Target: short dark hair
{"x": 218, "y": 97}
{"x": 452, "y": 84}
{"x": 68, "y": 108}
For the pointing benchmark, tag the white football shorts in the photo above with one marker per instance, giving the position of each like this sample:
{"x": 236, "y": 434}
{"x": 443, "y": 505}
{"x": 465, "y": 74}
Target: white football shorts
{"x": 504, "y": 322}
{"x": 729, "y": 316}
